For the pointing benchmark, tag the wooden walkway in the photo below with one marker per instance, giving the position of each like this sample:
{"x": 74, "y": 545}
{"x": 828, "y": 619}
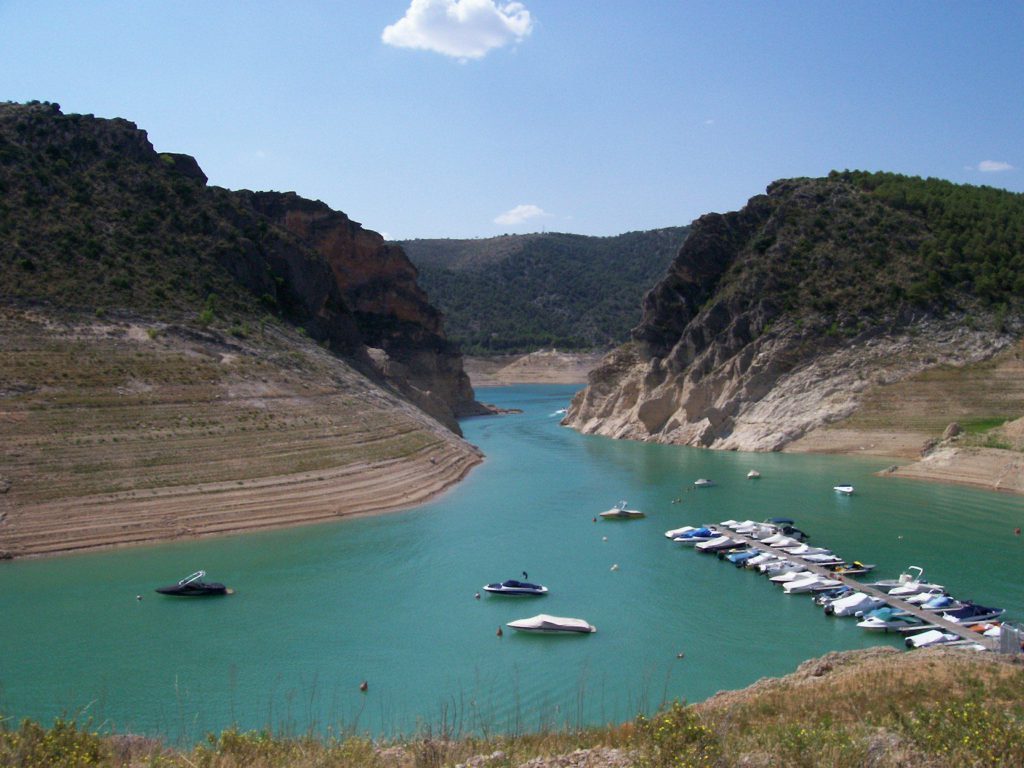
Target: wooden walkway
{"x": 990, "y": 643}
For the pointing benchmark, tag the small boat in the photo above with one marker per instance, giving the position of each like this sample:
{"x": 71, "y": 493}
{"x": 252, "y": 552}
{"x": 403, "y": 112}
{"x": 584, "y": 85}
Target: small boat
{"x": 929, "y": 638}
{"x": 844, "y": 488}
{"x": 717, "y": 543}
{"x": 853, "y": 605}
{"x": 542, "y": 623}
{"x": 697, "y": 535}
{"x": 753, "y": 474}
{"x": 812, "y": 583}
{"x": 910, "y": 582}
{"x": 194, "y": 586}
{"x": 890, "y": 619}
{"x": 671, "y": 534}
{"x": 854, "y": 568}
{"x": 971, "y": 613}
{"x": 515, "y": 587}
{"x": 703, "y": 482}
{"x": 619, "y": 512}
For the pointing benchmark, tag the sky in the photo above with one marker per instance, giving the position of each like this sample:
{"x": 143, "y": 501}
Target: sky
{"x": 476, "y": 118}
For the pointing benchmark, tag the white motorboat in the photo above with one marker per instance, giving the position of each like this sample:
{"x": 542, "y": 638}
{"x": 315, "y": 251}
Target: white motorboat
{"x": 845, "y": 489}
{"x": 804, "y": 549}
{"x": 717, "y": 543}
{"x": 781, "y": 543}
{"x": 753, "y": 474}
{"x": 679, "y": 531}
{"x": 703, "y": 482}
{"x": 852, "y": 605}
{"x": 542, "y": 623}
{"x": 515, "y": 587}
{"x": 910, "y": 582}
{"x": 809, "y": 584}
{"x": 620, "y": 512}
{"x": 798, "y": 574}
{"x": 697, "y": 535}
{"x": 929, "y": 638}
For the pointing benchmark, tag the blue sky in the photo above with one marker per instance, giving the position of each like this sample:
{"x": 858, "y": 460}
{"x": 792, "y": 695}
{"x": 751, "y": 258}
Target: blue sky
{"x": 472, "y": 118}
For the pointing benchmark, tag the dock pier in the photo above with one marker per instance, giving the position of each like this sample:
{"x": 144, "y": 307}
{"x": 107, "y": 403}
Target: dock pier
{"x": 989, "y": 643}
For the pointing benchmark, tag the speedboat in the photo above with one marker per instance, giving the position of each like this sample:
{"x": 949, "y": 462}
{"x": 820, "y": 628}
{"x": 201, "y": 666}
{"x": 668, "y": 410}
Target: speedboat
{"x": 851, "y": 605}
{"x": 802, "y": 550}
{"x": 740, "y": 558}
{"x": 811, "y": 583}
{"x": 910, "y": 582}
{"x": 703, "y": 482}
{"x": 194, "y": 586}
{"x": 717, "y": 543}
{"x": 515, "y": 587}
{"x": 844, "y": 488}
{"x": 972, "y": 613}
{"x": 929, "y": 638}
{"x": 542, "y": 623}
{"x": 697, "y": 535}
{"x": 853, "y": 568}
{"x": 753, "y": 474}
{"x": 619, "y": 512}
{"x": 889, "y": 619}
{"x": 679, "y": 531}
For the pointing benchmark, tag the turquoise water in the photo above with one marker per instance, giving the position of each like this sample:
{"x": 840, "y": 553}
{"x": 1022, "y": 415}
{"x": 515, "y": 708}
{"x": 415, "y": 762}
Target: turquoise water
{"x": 390, "y": 599}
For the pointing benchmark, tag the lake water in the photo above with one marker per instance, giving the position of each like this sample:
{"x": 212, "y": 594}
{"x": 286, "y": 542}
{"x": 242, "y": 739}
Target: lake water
{"x": 390, "y": 599}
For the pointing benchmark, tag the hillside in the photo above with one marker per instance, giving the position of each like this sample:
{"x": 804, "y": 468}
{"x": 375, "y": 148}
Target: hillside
{"x": 942, "y": 708}
{"x": 811, "y": 306}
{"x": 520, "y": 293}
{"x": 179, "y": 359}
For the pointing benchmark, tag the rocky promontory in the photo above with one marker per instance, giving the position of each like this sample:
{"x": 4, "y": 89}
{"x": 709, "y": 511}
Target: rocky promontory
{"x": 789, "y": 315}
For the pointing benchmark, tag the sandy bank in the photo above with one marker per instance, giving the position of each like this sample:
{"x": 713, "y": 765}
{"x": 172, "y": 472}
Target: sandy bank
{"x": 543, "y": 367}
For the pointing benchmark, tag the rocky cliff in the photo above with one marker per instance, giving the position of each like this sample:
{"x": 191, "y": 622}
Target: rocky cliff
{"x": 775, "y": 320}
{"x": 92, "y": 218}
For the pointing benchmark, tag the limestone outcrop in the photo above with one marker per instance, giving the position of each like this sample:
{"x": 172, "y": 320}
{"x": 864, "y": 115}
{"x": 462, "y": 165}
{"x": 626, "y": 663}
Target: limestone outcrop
{"x": 775, "y": 320}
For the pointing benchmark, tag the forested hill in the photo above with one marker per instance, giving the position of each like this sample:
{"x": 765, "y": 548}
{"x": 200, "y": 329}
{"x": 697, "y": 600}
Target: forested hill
{"x": 519, "y": 293}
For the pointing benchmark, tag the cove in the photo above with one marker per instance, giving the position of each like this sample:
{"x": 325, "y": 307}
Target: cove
{"x": 391, "y": 599}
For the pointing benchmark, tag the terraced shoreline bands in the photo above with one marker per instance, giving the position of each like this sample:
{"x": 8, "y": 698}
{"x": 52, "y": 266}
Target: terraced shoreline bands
{"x": 233, "y": 507}
{"x": 132, "y": 432}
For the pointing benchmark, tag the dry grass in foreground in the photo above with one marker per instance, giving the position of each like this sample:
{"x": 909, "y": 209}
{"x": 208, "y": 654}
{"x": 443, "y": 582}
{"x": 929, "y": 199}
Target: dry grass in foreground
{"x": 881, "y": 707}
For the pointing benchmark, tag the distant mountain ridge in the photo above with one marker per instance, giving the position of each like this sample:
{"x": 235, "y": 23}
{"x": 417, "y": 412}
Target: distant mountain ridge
{"x": 521, "y": 293}
{"x": 779, "y": 319}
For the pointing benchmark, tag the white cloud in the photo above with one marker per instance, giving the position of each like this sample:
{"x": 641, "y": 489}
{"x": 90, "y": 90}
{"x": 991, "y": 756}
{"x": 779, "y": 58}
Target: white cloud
{"x": 519, "y": 214}
{"x": 462, "y": 29}
{"x": 994, "y": 166}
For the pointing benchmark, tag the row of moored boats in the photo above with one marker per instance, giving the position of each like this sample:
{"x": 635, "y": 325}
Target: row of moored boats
{"x": 780, "y": 552}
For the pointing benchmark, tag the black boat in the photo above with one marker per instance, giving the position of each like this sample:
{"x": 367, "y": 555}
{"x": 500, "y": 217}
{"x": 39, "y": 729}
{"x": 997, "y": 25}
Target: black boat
{"x": 194, "y": 586}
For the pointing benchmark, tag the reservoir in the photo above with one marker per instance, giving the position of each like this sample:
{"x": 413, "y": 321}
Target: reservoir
{"x": 391, "y": 600}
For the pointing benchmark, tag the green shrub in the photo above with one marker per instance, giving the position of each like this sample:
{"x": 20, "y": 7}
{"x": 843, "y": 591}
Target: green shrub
{"x": 674, "y": 738}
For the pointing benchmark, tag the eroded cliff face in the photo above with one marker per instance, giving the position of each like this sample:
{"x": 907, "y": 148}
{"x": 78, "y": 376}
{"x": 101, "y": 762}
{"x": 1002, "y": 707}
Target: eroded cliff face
{"x": 757, "y": 335}
{"x": 399, "y": 333}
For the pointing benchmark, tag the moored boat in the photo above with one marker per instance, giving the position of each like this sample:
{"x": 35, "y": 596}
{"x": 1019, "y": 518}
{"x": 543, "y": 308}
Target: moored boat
{"x": 620, "y": 512}
{"x": 515, "y": 587}
{"x": 194, "y": 586}
{"x": 542, "y": 623}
